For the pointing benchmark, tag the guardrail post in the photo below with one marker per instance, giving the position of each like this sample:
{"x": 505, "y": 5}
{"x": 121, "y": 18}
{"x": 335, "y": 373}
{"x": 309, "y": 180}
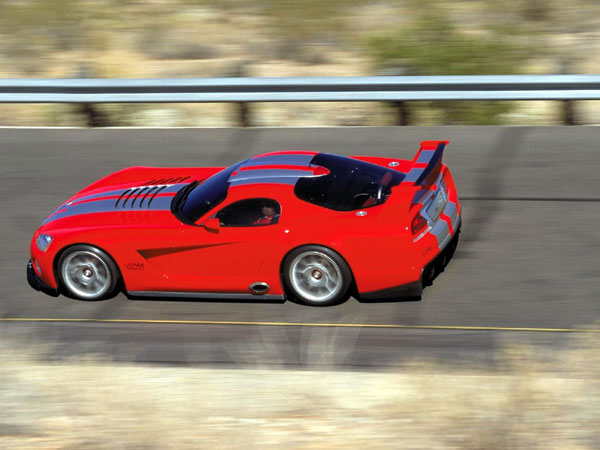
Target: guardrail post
{"x": 240, "y": 70}
{"x": 94, "y": 118}
{"x": 243, "y": 114}
{"x": 568, "y": 114}
{"x": 402, "y": 113}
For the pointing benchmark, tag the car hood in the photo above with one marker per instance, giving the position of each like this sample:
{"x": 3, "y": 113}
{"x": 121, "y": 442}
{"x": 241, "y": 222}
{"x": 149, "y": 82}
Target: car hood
{"x": 132, "y": 190}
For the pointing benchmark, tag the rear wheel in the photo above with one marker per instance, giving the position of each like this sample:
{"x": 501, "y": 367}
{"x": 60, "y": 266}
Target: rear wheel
{"x": 316, "y": 276}
{"x": 87, "y": 273}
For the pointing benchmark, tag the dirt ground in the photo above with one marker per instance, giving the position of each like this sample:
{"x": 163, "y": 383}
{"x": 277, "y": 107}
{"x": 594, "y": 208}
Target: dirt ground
{"x": 530, "y": 400}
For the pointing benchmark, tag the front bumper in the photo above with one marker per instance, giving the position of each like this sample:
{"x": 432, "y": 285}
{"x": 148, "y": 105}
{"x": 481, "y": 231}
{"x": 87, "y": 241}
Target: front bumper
{"x": 35, "y": 282}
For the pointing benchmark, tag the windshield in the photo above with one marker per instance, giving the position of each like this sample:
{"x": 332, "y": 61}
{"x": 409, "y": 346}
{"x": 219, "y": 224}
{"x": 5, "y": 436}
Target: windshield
{"x": 201, "y": 198}
{"x": 351, "y": 184}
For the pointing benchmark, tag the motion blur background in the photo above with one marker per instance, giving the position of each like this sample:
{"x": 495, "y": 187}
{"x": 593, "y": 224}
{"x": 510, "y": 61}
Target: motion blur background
{"x": 96, "y": 384}
{"x": 222, "y": 38}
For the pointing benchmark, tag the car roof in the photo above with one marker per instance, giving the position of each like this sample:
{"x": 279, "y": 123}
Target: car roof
{"x": 275, "y": 168}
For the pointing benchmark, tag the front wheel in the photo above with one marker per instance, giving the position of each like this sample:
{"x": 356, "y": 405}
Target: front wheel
{"x": 316, "y": 276}
{"x": 87, "y": 273}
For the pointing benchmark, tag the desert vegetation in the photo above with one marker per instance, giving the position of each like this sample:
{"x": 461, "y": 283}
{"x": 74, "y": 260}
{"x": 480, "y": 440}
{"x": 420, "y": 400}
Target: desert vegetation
{"x": 531, "y": 398}
{"x": 209, "y": 38}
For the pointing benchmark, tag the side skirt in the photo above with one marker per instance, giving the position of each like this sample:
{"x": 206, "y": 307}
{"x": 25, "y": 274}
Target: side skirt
{"x": 215, "y": 295}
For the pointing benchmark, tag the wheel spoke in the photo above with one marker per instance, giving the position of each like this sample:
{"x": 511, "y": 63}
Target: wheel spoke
{"x": 315, "y": 276}
{"x": 86, "y": 274}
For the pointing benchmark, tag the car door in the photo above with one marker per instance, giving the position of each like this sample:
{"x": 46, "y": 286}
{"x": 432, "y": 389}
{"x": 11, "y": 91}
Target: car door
{"x": 225, "y": 251}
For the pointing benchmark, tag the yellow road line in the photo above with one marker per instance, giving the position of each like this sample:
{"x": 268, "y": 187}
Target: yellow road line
{"x": 300, "y": 324}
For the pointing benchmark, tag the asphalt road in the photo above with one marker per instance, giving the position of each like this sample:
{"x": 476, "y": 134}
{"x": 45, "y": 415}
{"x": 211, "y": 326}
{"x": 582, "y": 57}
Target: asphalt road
{"x": 528, "y": 257}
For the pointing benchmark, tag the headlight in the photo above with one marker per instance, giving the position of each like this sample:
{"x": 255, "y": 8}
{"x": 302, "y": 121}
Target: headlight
{"x": 43, "y": 241}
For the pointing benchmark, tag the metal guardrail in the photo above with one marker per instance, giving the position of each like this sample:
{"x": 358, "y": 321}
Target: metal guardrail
{"x": 310, "y": 89}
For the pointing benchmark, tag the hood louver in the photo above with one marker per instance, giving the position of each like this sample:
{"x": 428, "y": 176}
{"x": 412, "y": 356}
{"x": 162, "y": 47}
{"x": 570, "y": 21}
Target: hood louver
{"x": 145, "y": 193}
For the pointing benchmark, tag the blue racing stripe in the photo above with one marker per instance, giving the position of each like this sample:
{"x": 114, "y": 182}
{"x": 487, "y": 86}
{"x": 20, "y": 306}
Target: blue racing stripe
{"x": 451, "y": 211}
{"x": 118, "y": 192}
{"x": 425, "y": 156}
{"x": 274, "y": 180}
{"x": 264, "y": 174}
{"x": 286, "y": 158}
{"x": 273, "y": 175}
{"x": 442, "y": 233}
{"x": 108, "y": 205}
{"x": 413, "y": 175}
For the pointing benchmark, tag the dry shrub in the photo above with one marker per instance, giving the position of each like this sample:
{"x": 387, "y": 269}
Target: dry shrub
{"x": 533, "y": 398}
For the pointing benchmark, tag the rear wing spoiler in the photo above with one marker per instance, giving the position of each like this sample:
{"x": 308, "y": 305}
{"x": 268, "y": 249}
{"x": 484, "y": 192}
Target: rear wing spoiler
{"x": 427, "y": 163}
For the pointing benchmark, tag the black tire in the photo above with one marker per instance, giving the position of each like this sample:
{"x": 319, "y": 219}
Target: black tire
{"x": 316, "y": 276}
{"x": 87, "y": 273}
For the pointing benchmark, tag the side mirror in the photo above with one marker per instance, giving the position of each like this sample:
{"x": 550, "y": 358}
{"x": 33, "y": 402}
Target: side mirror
{"x": 213, "y": 224}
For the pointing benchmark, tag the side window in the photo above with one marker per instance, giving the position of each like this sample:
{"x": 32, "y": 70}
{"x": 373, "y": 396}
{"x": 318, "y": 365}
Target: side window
{"x": 250, "y": 213}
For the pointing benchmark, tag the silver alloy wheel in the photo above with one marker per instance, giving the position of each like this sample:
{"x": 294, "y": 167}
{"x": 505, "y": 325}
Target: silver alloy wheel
{"x": 316, "y": 276}
{"x": 86, "y": 275}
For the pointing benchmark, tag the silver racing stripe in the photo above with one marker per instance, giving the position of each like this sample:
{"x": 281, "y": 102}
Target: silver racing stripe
{"x": 299, "y": 159}
{"x": 442, "y": 233}
{"x": 117, "y": 192}
{"x": 273, "y": 180}
{"x": 413, "y": 175}
{"x": 441, "y": 230}
{"x": 108, "y": 205}
{"x": 268, "y": 173}
{"x": 284, "y": 175}
{"x": 451, "y": 211}
{"x": 425, "y": 156}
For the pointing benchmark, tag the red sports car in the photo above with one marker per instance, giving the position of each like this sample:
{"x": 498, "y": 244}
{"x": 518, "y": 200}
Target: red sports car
{"x": 315, "y": 227}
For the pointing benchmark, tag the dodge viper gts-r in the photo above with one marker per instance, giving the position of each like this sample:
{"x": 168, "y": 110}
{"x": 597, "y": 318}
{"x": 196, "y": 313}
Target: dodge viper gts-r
{"x": 315, "y": 227}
